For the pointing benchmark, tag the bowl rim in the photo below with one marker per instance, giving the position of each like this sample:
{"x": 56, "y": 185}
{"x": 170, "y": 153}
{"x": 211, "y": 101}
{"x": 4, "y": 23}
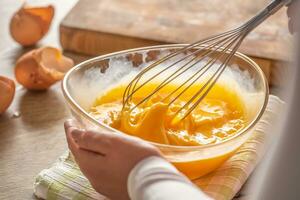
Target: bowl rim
{"x": 78, "y": 108}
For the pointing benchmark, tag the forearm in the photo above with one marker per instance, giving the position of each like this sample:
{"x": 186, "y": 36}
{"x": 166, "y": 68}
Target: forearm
{"x": 155, "y": 178}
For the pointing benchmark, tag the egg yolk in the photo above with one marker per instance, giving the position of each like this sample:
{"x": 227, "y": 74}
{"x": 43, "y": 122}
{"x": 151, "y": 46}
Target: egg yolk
{"x": 212, "y": 121}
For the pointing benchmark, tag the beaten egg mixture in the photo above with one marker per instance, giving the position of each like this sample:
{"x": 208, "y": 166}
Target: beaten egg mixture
{"x": 218, "y": 117}
{"x": 212, "y": 121}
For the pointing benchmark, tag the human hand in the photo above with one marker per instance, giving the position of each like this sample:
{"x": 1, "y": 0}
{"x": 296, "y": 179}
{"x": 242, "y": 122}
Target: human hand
{"x": 292, "y": 13}
{"x": 106, "y": 158}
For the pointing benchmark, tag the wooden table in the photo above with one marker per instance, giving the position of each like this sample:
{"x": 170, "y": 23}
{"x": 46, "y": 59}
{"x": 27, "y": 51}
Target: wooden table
{"x": 31, "y": 131}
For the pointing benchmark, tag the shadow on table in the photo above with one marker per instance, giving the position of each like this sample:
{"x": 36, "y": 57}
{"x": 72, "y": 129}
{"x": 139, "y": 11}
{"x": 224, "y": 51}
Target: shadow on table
{"x": 43, "y": 108}
{"x": 15, "y": 53}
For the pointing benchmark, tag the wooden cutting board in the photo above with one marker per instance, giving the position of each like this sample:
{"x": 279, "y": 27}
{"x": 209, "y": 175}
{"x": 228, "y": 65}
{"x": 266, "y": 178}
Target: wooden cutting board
{"x": 96, "y": 27}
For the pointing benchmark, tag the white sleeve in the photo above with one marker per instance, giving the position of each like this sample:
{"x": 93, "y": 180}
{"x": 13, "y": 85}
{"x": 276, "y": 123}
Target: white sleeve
{"x": 156, "y": 179}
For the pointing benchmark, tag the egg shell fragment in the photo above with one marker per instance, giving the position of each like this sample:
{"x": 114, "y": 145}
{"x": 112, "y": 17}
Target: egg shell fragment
{"x": 29, "y": 25}
{"x": 7, "y": 93}
{"x": 41, "y": 68}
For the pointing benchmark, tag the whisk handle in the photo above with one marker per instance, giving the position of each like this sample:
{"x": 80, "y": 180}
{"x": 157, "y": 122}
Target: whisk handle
{"x": 275, "y": 5}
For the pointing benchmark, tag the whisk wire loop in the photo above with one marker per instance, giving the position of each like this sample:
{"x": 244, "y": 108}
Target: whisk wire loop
{"x": 177, "y": 73}
{"x": 221, "y": 47}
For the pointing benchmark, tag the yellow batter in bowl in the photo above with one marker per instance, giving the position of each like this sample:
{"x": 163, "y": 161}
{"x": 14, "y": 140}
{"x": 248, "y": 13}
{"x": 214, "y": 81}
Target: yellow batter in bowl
{"x": 218, "y": 117}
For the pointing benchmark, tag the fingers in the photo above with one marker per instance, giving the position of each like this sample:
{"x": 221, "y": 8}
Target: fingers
{"x": 82, "y": 156}
{"x": 92, "y": 141}
{"x": 86, "y": 158}
{"x": 88, "y": 161}
{"x": 88, "y": 140}
{"x": 69, "y": 126}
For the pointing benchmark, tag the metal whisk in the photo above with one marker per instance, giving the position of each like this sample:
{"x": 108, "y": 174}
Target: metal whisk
{"x": 204, "y": 54}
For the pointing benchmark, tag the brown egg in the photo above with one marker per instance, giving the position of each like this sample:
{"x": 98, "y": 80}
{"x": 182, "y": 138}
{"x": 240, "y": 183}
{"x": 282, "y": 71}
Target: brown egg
{"x": 29, "y": 25}
{"x": 40, "y": 68}
{"x": 7, "y": 93}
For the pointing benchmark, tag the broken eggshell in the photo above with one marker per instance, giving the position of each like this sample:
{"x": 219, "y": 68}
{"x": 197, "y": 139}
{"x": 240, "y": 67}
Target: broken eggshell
{"x": 7, "y": 93}
{"x": 29, "y": 24}
{"x": 41, "y": 68}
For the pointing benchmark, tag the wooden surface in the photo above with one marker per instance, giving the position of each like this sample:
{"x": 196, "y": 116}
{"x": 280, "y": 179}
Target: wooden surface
{"x": 30, "y": 142}
{"x": 102, "y": 26}
{"x": 31, "y": 131}
{"x": 95, "y": 27}
{"x": 33, "y": 140}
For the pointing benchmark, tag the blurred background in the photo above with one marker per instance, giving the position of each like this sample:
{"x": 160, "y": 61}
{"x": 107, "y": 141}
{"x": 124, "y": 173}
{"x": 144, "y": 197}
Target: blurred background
{"x": 95, "y": 27}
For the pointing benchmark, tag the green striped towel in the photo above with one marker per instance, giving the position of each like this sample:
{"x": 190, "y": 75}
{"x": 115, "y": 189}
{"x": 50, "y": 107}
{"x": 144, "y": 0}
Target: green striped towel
{"x": 64, "y": 180}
